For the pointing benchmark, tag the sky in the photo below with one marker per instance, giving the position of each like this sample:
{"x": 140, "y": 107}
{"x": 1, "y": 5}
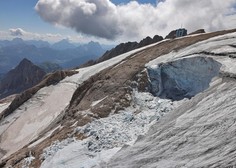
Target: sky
{"x": 110, "y": 21}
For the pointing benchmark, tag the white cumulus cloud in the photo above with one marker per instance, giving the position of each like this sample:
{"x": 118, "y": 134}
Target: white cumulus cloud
{"x": 102, "y": 18}
{"x": 26, "y": 35}
{"x": 17, "y": 32}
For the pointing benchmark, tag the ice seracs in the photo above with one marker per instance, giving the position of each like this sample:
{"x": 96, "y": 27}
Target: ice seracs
{"x": 106, "y": 136}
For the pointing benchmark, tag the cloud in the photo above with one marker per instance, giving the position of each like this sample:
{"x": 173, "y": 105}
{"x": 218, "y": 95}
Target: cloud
{"x": 93, "y": 17}
{"x": 26, "y": 35}
{"x": 102, "y": 18}
{"x": 17, "y": 32}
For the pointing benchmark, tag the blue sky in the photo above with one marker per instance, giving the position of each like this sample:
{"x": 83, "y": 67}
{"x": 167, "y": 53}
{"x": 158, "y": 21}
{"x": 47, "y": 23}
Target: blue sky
{"x": 21, "y": 14}
{"x": 131, "y": 21}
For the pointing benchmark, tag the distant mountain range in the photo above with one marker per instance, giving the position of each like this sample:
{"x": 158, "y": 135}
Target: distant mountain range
{"x": 63, "y": 45}
{"x": 63, "y": 53}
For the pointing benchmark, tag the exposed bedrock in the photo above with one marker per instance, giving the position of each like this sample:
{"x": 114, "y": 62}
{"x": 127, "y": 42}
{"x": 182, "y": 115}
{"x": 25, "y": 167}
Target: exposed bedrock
{"x": 183, "y": 78}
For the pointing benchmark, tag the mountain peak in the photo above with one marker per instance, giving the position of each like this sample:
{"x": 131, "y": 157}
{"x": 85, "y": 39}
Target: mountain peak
{"x": 24, "y": 76}
{"x": 24, "y": 64}
{"x": 25, "y": 61}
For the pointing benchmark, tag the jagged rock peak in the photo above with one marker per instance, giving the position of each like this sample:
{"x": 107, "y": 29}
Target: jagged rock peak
{"x": 24, "y": 76}
{"x": 24, "y": 62}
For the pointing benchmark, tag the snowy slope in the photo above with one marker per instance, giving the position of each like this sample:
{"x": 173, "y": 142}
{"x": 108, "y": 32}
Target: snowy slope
{"x": 3, "y": 106}
{"x": 25, "y": 123}
{"x": 200, "y": 132}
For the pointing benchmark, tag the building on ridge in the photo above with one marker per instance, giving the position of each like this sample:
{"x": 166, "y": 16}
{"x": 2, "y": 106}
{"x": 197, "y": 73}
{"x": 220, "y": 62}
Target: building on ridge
{"x": 181, "y": 32}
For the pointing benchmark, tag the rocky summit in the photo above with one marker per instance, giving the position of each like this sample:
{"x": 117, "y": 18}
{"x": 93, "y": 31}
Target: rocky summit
{"x": 168, "y": 104}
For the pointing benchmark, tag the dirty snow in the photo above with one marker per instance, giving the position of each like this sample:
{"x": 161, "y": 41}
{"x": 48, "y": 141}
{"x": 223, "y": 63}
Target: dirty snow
{"x": 3, "y": 106}
{"x": 27, "y": 161}
{"x": 224, "y": 49}
{"x": 48, "y": 134}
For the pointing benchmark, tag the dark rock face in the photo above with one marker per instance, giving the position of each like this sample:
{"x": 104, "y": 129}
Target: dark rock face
{"x": 171, "y": 35}
{"x": 157, "y": 38}
{"x": 198, "y": 32}
{"x": 146, "y": 41}
{"x": 24, "y": 76}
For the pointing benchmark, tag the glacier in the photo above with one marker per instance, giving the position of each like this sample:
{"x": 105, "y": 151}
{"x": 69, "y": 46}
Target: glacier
{"x": 124, "y": 139}
{"x": 201, "y": 131}
{"x": 183, "y": 118}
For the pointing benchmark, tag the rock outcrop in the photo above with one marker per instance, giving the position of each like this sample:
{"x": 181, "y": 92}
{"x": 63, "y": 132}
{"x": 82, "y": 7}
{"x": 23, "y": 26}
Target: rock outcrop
{"x": 171, "y": 35}
{"x": 199, "y": 31}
